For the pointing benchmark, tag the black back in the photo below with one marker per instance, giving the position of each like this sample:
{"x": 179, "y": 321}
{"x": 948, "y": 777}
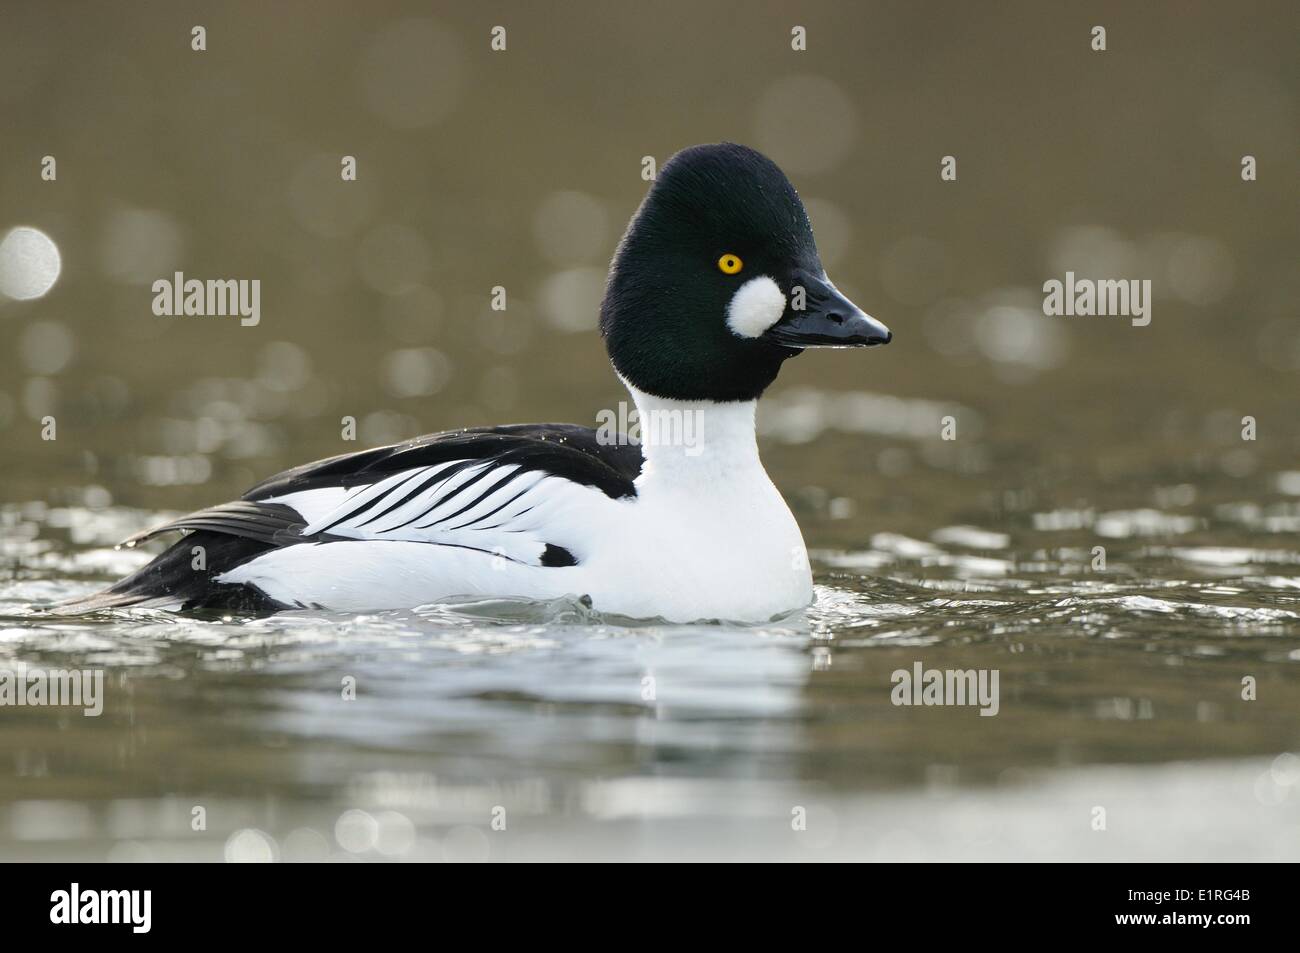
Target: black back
{"x": 563, "y": 450}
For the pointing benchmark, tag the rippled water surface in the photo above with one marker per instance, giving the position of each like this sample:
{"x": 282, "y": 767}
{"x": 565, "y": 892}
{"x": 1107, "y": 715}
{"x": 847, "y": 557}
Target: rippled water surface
{"x": 1120, "y": 688}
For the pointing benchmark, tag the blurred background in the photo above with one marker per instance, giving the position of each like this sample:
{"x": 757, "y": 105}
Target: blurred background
{"x": 520, "y": 169}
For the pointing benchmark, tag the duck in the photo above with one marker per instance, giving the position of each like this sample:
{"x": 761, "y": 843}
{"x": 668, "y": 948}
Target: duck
{"x": 715, "y": 284}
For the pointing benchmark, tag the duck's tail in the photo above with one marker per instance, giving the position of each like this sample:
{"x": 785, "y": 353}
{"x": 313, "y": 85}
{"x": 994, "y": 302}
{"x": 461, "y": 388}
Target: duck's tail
{"x": 183, "y": 577}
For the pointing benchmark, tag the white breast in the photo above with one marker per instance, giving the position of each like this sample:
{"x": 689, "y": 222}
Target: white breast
{"x": 708, "y": 535}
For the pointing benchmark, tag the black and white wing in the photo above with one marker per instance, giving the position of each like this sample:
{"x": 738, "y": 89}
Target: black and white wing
{"x": 481, "y": 489}
{"x": 511, "y": 491}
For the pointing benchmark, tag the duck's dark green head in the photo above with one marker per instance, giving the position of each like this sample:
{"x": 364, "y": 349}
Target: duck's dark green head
{"x": 705, "y": 291}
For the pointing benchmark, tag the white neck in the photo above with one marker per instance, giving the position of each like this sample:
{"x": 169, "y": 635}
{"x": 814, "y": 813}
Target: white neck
{"x": 687, "y": 441}
{"x": 710, "y": 528}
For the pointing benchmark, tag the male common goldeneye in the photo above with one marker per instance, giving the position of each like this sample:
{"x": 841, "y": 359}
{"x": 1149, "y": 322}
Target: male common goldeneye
{"x": 716, "y": 283}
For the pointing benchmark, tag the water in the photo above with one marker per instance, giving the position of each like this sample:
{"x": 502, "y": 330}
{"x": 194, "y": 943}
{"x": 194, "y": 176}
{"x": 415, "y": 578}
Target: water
{"x": 1120, "y": 689}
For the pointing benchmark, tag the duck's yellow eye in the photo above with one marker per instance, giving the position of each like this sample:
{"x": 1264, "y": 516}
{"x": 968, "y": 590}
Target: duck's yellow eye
{"x": 730, "y": 264}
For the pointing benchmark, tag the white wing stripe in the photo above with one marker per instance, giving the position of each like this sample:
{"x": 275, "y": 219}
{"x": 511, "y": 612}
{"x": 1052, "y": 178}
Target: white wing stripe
{"x": 502, "y": 496}
{"x": 358, "y": 502}
{"x": 428, "y": 496}
{"x": 505, "y": 510}
{"x": 397, "y": 510}
{"x": 465, "y": 502}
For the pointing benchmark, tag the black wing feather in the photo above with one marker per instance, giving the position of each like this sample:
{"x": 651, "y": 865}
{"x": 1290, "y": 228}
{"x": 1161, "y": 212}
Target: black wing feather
{"x": 271, "y": 523}
{"x": 563, "y": 450}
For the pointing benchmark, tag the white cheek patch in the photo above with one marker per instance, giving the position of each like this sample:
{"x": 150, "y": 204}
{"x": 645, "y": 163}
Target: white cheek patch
{"x": 756, "y": 306}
